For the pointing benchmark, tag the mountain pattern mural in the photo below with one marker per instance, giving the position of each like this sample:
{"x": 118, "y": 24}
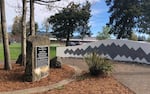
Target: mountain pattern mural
{"x": 121, "y": 50}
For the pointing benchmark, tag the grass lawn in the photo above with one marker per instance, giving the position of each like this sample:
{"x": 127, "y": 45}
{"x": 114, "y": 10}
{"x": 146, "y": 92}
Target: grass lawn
{"x": 52, "y": 51}
{"x": 15, "y": 50}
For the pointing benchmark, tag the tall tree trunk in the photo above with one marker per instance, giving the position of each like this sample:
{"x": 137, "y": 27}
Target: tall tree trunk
{"x": 32, "y": 23}
{"x": 23, "y": 45}
{"x": 68, "y": 39}
{"x": 7, "y": 64}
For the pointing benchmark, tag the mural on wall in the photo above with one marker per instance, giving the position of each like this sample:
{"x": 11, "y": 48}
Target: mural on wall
{"x": 122, "y": 50}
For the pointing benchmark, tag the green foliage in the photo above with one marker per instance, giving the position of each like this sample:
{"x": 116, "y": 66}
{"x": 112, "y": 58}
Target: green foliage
{"x": 71, "y": 19}
{"x": 83, "y": 28}
{"x": 17, "y": 27}
{"x": 144, "y": 20}
{"x": 123, "y": 17}
{"x": 104, "y": 34}
{"x": 133, "y": 37}
{"x": 128, "y": 15}
{"x": 98, "y": 65}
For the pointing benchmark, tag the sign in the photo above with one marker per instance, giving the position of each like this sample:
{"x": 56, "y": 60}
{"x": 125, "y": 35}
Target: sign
{"x": 42, "y": 56}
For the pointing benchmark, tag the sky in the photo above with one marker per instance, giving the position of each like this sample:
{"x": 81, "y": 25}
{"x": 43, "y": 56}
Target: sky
{"x": 98, "y": 19}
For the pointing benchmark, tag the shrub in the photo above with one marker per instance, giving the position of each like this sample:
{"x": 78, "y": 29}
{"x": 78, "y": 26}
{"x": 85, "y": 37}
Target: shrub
{"x": 98, "y": 65}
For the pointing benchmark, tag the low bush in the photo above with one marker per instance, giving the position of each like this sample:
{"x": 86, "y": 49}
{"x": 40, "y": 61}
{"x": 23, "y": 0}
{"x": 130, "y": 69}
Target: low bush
{"x": 98, "y": 65}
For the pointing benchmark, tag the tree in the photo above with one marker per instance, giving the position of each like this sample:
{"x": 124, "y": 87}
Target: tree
{"x": 32, "y": 22}
{"x": 17, "y": 26}
{"x": 40, "y": 2}
{"x": 133, "y": 37}
{"x": 104, "y": 34}
{"x": 23, "y": 43}
{"x": 7, "y": 63}
{"x": 32, "y": 28}
{"x": 28, "y": 32}
{"x": 124, "y": 16}
{"x": 0, "y": 32}
{"x": 45, "y": 2}
{"x": 84, "y": 28}
{"x": 46, "y": 25}
{"x": 127, "y": 16}
{"x": 69, "y": 20}
{"x": 144, "y": 20}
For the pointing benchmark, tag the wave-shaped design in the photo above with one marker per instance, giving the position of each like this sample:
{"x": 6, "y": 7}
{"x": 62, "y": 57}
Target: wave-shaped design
{"x": 112, "y": 50}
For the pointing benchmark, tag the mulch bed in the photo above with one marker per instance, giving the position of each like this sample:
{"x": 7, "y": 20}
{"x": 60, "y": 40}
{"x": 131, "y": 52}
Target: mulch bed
{"x": 13, "y": 80}
{"x": 85, "y": 84}
{"x": 92, "y": 85}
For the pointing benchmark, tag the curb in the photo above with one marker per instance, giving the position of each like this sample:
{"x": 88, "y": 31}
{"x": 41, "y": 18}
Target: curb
{"x": 39, "y": 89}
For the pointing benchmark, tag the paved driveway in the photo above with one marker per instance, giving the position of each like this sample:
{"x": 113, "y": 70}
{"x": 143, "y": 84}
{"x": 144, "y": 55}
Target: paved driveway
{"x": 134, "y": 76}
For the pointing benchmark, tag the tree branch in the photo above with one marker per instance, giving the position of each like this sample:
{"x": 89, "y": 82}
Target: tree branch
{"x": 50, "y": 1}
{"x": 43, "y": 2}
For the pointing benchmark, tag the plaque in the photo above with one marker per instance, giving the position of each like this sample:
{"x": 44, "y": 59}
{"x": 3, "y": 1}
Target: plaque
{"x": 42, "y": 56}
